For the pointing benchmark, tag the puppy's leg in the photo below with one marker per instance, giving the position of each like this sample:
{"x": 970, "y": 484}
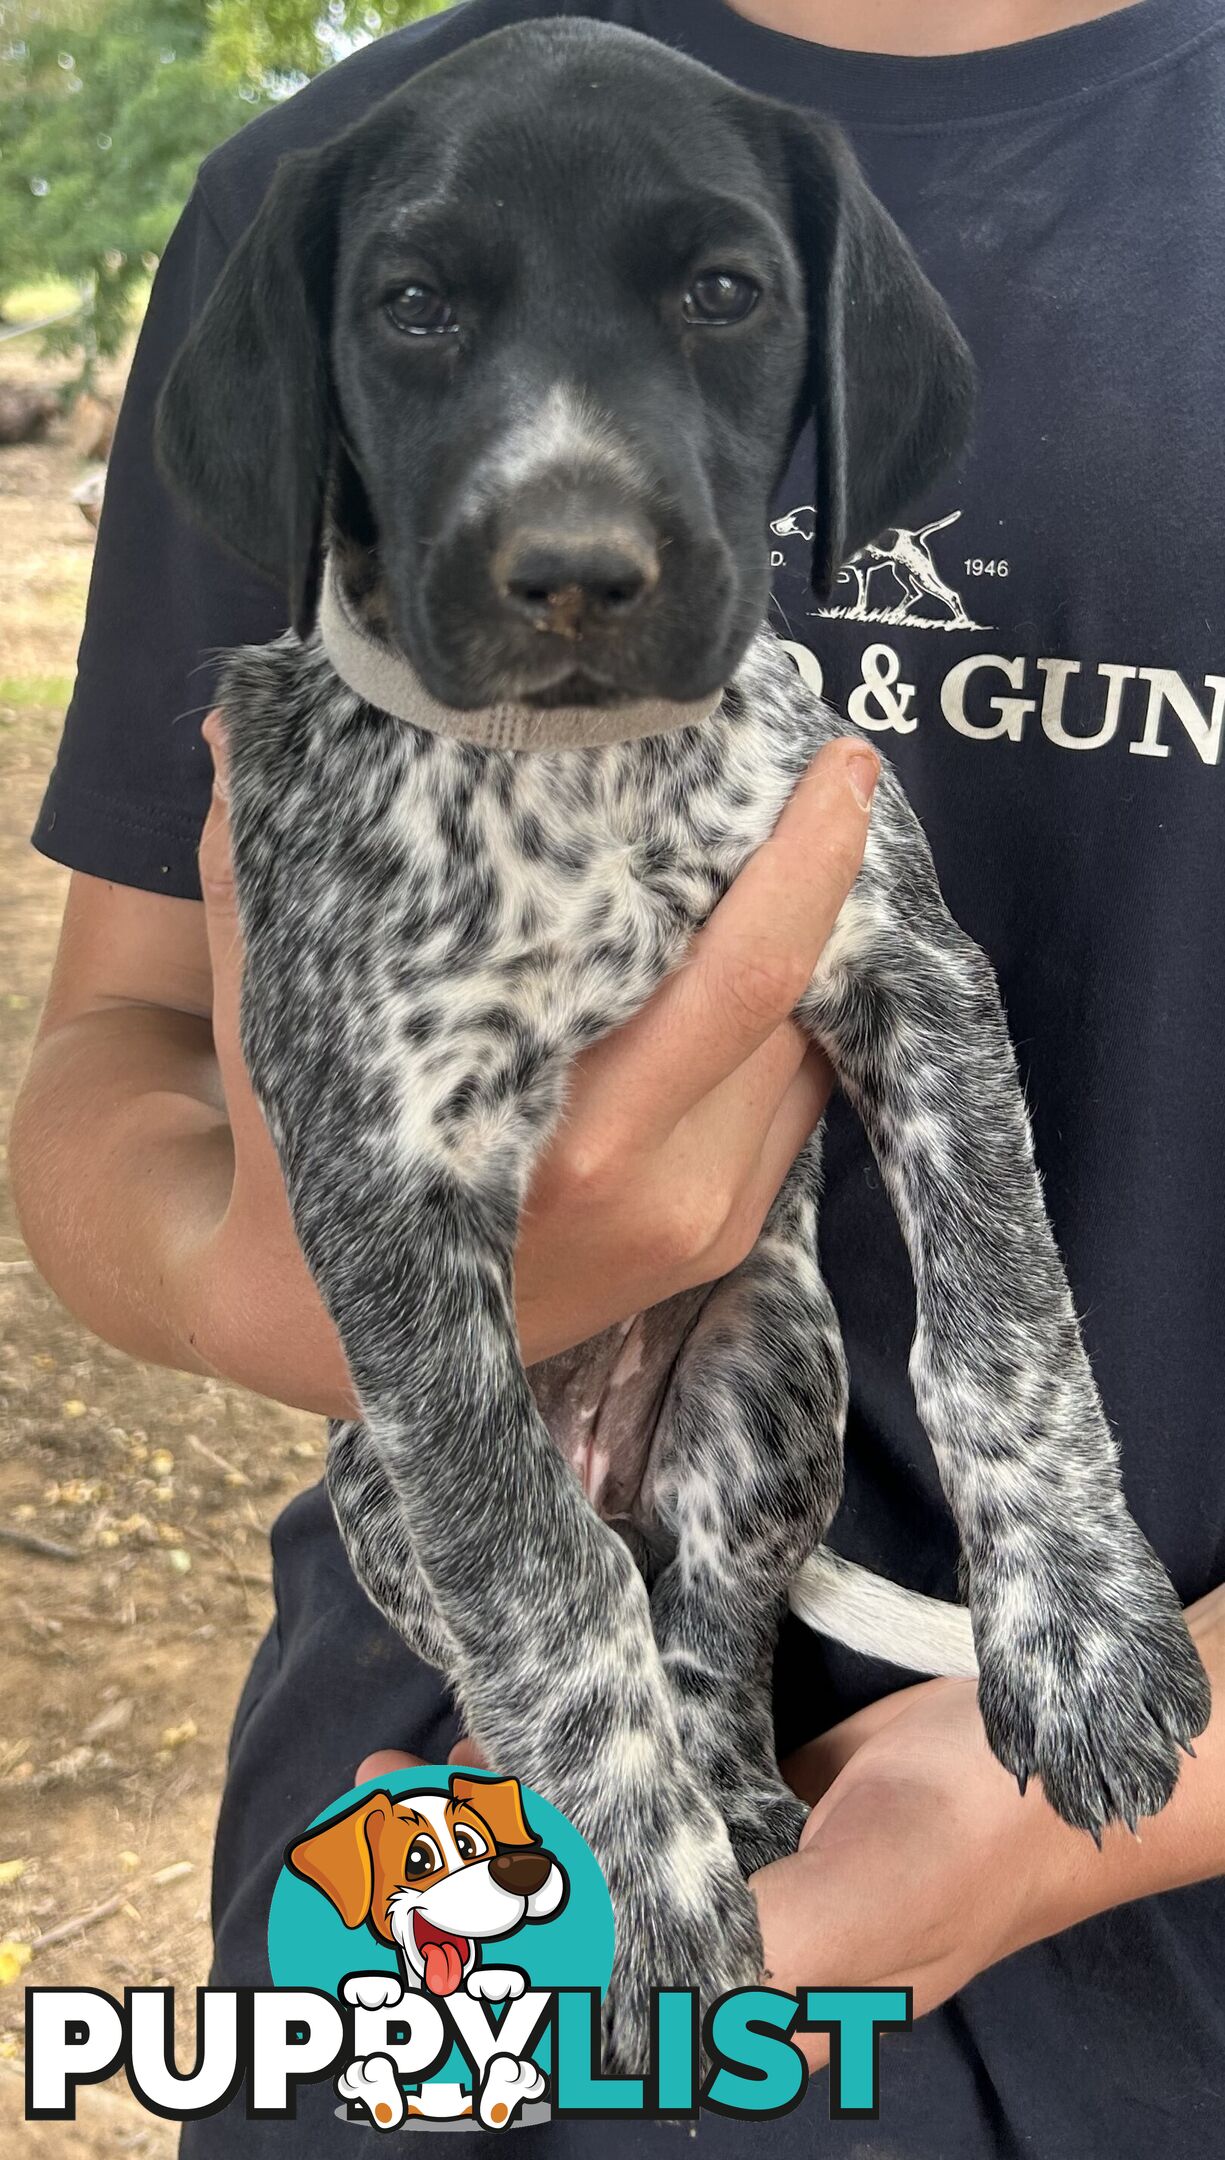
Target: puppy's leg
{"x": 541, "y": 1618}
{"x": 375, "y": 1534}
{"x": 1088, "y": 1675}
{"x": 749, "y": 1477}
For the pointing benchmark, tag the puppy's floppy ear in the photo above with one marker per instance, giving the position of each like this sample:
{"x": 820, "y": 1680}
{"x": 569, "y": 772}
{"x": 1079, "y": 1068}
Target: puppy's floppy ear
{"x": 245, "y": 419}
{"x": 338, "y": 1860}
{"x": 890, "y": 380}
{"x": 498, "y": 1802}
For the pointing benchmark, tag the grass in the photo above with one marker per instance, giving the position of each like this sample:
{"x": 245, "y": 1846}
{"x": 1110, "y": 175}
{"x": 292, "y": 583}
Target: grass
{"x": 45, "y": 693}
{"x": 29, "y": 303}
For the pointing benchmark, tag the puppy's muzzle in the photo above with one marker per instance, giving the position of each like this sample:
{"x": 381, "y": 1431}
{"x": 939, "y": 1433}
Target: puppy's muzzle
{"x": 574, "y": 569}
{"x": 574, "y": 581}
{"x": 520, "y": 1873}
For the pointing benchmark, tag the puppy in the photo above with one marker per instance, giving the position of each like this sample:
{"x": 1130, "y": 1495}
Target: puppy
{"x": 498, "y": 386}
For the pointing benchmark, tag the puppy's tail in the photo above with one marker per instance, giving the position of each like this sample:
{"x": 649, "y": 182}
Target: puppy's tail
{"x": 878, "y": 1618}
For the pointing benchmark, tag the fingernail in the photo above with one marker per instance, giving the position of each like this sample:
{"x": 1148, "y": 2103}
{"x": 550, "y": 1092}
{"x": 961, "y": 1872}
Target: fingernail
{"x": 863, "y": 772}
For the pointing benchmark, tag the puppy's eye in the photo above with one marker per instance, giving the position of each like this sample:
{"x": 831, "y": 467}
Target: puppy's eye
{"x": 423, "y": 1858}
{"x": 720, "y": 296}
{"x": 469, "y": 1844}
{"x": 420, "y": 311}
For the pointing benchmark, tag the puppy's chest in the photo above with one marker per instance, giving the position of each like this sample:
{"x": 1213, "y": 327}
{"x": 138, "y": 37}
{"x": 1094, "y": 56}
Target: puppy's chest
{"x": 423, "y": 893}
{"x": 435, "y": 931}
{"x": 573, "y": 879}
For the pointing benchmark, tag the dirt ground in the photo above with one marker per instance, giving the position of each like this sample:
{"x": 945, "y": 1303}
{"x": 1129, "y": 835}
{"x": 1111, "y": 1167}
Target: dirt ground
{"x": 124, "y": 1648}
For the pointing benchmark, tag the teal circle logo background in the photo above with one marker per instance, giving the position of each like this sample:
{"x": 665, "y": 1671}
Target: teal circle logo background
{"x": 310, "y": 1946}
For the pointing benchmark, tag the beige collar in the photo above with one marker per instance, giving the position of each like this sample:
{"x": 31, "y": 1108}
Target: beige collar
{"x": 382, "y": 675}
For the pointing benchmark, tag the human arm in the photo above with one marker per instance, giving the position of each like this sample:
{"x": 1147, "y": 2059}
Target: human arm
{"x": 151, "y": 1195}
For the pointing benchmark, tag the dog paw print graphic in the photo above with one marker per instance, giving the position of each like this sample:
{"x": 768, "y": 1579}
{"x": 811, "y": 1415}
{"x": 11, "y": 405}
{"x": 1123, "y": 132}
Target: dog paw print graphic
{"x": 470, "y": 1911}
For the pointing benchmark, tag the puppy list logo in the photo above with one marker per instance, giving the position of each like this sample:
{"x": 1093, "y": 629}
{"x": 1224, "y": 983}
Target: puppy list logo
{"x": 442, "y": 1881}
{"x": 440, "y": 1944}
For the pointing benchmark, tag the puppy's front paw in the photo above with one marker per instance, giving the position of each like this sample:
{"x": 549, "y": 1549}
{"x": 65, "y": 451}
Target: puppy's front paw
{"x": 373, "y": 2083}
{"x": 373, "y": 1991}
{"x": 495, "y": 1983}
{"x": 507, "y": 2084}
{"x": 685, "y": 1933}
{"x": 1093, "y": 1685}
{"x": 683, "y": 1915}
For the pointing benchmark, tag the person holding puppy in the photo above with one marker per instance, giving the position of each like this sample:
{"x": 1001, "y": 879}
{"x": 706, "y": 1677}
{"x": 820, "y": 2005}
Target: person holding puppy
{"x": 1041, "y": 665}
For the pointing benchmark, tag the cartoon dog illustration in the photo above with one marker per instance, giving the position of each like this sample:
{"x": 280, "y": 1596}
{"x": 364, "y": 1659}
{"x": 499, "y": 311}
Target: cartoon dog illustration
{"x": 435, "y": 1875}
{"x": 907, "y": 555}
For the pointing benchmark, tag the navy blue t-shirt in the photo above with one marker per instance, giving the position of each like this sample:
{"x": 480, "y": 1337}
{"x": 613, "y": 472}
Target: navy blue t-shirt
{"x": 1041, "y": 651}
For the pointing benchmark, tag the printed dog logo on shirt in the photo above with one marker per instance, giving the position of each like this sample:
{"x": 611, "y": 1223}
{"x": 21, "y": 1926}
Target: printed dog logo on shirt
{"x": 437, "y": 1877}
{"x": 914, "y": 592}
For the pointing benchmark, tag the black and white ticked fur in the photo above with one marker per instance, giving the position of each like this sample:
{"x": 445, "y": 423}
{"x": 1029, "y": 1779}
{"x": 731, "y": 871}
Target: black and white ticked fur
{"x": 464, "y": 343}
{"x": 432, "y": 933}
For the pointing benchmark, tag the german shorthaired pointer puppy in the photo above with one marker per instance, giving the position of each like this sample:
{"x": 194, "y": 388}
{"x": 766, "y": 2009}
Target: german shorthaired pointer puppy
{"x": 498, "y": 386}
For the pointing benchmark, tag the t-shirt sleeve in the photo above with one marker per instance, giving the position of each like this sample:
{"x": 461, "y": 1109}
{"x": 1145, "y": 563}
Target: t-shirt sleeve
{"x": 130, "y": 787}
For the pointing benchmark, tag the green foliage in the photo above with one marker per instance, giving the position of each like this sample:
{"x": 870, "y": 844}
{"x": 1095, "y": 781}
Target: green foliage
{"x": 107, "y": 108}
{"x": 276, "y": 39}
{"x": 105, "y": 111}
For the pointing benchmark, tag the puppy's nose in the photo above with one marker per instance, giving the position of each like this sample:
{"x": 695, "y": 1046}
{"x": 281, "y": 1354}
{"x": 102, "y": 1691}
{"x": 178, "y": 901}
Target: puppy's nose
{"x": 522, "y": 1873}
{"x": 570, "y": 580}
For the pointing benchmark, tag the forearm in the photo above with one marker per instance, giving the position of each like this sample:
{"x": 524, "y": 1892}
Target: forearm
{"x": 123, "y": 1170}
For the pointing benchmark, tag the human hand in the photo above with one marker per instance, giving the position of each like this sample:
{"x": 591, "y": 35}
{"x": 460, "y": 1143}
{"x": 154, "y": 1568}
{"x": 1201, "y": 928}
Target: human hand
{"x": 465, "y": 1755}
{"x": 678, "y": 1130}
{"x": 920, "y": 1865}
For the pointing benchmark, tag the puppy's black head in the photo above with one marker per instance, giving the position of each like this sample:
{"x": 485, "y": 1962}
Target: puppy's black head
{"x": 533, "y": 343}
